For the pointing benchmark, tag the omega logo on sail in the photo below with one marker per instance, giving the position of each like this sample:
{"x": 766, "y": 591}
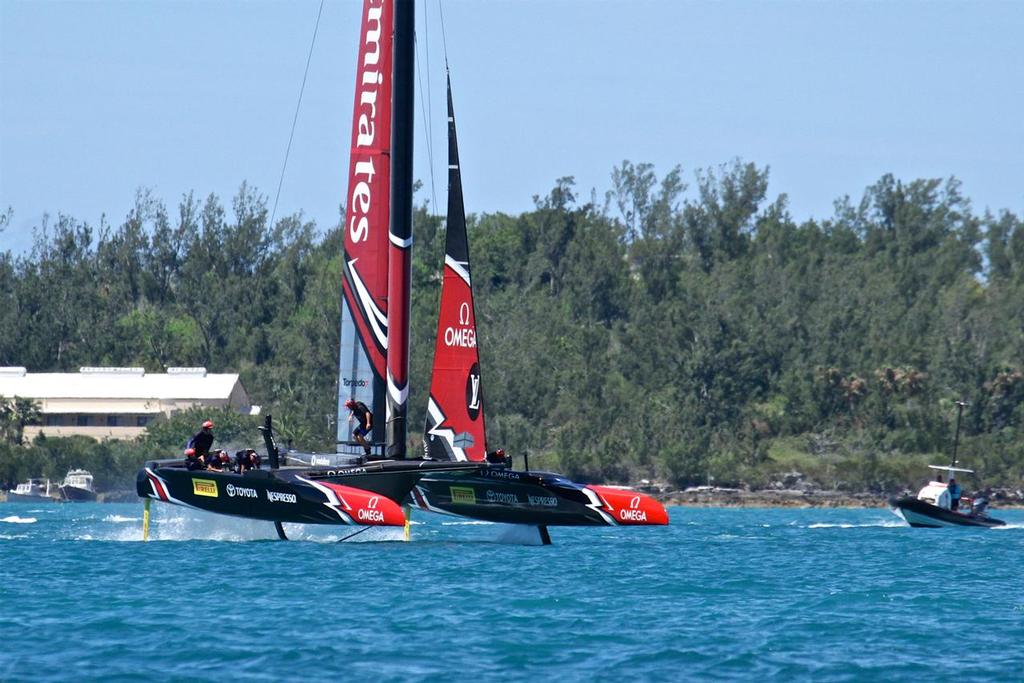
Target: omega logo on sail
{"x": 369, "y": 80}
{"x": 463, "y": 336}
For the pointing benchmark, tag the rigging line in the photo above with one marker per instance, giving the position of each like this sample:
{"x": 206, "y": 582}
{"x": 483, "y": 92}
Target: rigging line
{"x": 295, "y": 119}
{"x": 430, "y": 99}
{"x": 444, "y": 38}
{"x": 424, "y": 112}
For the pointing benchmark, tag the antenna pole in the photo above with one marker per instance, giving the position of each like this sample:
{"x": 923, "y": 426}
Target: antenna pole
{"x": 956, "y": 438}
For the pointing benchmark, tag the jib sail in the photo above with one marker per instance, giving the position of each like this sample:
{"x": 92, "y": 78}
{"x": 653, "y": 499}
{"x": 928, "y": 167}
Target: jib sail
{"x": 364, "y": 315}
{"x": 455, "y": 412}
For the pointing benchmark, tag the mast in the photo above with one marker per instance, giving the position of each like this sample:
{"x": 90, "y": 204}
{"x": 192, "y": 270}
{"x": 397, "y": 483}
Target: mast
{"x": 362, "y": 363}
{"x": 400, "y": 246}
{"x": 956, "y": 438}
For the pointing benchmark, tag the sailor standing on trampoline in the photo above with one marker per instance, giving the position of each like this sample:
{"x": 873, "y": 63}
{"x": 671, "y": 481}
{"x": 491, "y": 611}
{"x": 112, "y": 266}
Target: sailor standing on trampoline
{"x": 364, "y": 416}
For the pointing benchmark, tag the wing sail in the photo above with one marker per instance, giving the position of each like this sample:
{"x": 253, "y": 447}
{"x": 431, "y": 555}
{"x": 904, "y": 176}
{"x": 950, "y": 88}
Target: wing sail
{"x": 364, "y": 315}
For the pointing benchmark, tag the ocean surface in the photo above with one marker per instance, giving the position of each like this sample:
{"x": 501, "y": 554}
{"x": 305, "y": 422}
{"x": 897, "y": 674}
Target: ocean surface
{"x": 828, "y": 595}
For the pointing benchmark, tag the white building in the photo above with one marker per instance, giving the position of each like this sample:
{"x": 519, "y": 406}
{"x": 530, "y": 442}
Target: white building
{"x": 118, "y": 403}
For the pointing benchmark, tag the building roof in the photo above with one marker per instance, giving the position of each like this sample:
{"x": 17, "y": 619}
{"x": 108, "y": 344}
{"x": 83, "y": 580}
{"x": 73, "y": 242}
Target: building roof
{"x": 117, "y": 383}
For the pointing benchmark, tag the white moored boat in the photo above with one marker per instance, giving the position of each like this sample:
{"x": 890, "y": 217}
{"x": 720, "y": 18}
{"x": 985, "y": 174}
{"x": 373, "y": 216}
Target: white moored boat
{"x": 31, "y": 491}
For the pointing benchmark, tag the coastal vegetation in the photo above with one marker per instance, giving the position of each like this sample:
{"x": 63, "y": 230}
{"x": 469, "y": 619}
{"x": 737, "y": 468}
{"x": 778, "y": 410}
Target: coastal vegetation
{"x": 689, "y": 334}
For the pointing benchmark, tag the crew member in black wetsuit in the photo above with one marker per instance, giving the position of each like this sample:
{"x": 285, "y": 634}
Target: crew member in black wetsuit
{"x": 365, "y": 417}
{"x": 202, "y": 440}
{"x": 213, "y": 462}
{"x": 246, "y": 459}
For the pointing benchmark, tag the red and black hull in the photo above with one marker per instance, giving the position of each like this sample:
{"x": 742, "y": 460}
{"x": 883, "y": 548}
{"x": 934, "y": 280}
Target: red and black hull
{"x": 497, "y": 494}
{"x": 358, "y": 495}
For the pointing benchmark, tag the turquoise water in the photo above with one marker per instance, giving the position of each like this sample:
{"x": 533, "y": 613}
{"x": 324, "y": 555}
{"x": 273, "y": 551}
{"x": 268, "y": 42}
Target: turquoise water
{"x": 829, "y": 595}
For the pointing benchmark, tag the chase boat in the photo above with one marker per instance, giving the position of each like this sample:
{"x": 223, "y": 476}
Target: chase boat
{"x": 931, "y": 506}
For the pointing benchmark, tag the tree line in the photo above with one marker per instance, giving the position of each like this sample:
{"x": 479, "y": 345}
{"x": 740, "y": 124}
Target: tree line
{"x": 687, "y": 333}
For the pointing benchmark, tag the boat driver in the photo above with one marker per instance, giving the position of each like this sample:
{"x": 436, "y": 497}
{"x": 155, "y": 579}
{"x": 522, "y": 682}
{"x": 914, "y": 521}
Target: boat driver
{"x": 954, "y": 494}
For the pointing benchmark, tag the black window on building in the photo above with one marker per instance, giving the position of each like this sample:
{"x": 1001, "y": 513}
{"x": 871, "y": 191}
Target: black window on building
{"x": 112, "y": 420}
{"x": 83, "y": 421}
{"x": 141, "y": 420}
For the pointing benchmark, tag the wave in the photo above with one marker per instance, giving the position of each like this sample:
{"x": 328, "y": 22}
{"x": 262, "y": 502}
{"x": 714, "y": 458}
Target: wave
{"x": 170, "y": 523}
{"x": 121, "y": 519}
{"x": 14, "y": 519}
{"x": 882, "y": 524}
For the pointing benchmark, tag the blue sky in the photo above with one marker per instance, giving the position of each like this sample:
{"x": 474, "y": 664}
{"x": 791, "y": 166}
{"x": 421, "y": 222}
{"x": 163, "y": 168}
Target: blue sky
{"x": 98, "y": 99}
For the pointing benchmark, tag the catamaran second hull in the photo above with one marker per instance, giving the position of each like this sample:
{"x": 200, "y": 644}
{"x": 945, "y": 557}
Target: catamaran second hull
{"x": 918, "y": 513}
{"x": 536, "y": 498}
{"x": 364, "y": 495}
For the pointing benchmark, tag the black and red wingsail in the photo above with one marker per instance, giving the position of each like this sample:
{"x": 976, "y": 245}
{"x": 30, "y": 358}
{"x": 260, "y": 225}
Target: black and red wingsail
{"x": 455, "y": 413}
{"x": 364, "y": 318}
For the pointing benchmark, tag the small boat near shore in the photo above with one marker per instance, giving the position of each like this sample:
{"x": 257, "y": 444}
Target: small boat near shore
{"x": 931, "y": 506}
{"x": 77, "y": 487}
{"x": 36, "y": 490}
{"x": 934, "y": 505}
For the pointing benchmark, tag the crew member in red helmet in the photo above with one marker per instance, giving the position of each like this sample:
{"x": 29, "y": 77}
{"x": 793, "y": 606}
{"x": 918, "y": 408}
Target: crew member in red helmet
{"x": 202, "y": 440}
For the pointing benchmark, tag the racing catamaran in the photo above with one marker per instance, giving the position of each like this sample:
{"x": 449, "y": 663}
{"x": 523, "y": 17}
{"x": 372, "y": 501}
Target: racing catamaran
{"x": 348, "y": 488}
{"x": 455, "y": 476}
{"x": 455, "y": 425}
